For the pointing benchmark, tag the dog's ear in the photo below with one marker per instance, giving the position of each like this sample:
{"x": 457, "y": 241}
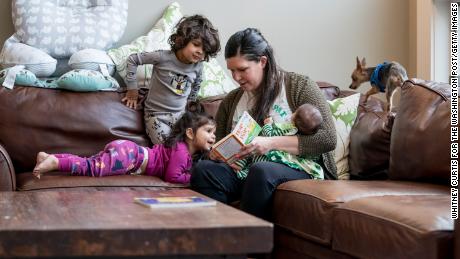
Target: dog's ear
{"x": 363, "y": 63}
{"x": 358, "y": 64}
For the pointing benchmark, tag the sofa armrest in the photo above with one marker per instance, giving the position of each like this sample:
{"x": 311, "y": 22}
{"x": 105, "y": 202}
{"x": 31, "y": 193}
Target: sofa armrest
{"x": 7, "y": 173}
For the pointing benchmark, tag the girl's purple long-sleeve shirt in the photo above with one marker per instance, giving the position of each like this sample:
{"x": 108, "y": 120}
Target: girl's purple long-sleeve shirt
{"x": 170, "y": 164}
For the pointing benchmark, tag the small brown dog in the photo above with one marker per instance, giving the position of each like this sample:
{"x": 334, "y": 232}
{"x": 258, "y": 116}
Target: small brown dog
{"x": 385, "y": 77}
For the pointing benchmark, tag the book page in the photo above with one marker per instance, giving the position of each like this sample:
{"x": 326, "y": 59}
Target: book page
{"x": 229, "y": 147}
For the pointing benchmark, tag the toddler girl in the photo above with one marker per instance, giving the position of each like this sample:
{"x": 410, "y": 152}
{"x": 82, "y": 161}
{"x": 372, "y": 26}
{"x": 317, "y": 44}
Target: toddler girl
{"x": 171, "y": 161}
{"x": 176, "y": 75}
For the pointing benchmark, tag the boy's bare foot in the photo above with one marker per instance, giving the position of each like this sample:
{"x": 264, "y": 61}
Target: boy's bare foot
{"x": 45, "y": 163}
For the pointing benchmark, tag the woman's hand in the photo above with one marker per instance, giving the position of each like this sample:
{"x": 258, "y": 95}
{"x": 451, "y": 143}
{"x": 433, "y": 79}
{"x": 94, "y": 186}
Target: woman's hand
{"x": 235, "y": 167}
{"x": 258, "y": 146}
{"x": 131, "y": 98}
{"x": 213, "y": 155}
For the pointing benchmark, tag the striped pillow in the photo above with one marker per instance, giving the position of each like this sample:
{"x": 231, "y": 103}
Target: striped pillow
{"x": 34, "y": 60}
{"x": 90, "y": 59}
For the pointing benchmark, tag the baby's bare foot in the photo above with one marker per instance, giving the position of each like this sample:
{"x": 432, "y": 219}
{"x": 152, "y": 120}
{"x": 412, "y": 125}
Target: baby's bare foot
{"x": 48, "y": 163}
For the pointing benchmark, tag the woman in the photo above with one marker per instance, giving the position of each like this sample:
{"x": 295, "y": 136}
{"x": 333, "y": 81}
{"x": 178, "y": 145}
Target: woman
{"x": 265, "y": 91}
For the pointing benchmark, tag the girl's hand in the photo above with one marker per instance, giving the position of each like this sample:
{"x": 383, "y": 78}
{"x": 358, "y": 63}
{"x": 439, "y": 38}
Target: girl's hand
{"x": 258, "y": 146}
{"x": 131, "y": 98}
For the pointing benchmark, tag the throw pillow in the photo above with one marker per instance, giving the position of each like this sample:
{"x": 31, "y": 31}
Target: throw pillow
{"x": 215, "y": 79}
{"x": 91, "y": 59}
{"x": 81, "y": 80}
{"x": 344, "y": 112}
{"x": 156, "y": 39}
{"x": 61, "y": 28}
{"x": 25, "y": 77}
{"x": 35, "y": 60}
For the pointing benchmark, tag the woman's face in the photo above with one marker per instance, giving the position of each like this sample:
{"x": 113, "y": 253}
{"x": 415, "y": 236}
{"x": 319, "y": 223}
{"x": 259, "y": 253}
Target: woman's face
{"x": 248, "y": 74}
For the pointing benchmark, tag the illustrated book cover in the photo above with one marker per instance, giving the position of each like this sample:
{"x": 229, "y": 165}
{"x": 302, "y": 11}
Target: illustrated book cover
{"x": 244, "y": 132}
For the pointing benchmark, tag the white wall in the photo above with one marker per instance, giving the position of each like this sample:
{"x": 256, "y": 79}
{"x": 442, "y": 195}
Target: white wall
{"x": 315, "y": 37}
{"x": 320, "y": 38}
{"x": 441, "y": 41}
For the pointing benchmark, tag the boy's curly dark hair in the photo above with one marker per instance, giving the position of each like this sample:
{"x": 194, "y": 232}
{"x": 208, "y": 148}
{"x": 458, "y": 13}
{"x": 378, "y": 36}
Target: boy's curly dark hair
{"x": 189, "y": 119}
{"x": 196, "y": 27}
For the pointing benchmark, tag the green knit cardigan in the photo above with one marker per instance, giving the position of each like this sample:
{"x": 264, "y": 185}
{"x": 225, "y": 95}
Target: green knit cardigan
{"x": 299, "y": 90}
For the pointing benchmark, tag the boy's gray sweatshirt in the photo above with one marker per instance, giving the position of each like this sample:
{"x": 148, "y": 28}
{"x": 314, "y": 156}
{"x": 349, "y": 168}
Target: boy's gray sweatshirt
{"x": 172, "y": 82}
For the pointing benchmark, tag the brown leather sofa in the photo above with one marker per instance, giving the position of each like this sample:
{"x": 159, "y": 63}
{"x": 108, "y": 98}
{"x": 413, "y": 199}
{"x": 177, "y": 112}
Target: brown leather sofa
{"x": 402, "y": 210}
{"x": 407, "y": 215}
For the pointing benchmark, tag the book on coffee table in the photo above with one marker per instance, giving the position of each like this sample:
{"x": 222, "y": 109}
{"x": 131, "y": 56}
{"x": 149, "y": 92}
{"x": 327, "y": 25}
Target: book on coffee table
{"x": 175, "y": 202}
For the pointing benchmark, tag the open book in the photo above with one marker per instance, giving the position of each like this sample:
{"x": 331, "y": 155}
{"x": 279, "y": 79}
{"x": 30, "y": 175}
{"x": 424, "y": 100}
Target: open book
{"x": 244, "y": 132}
{"x": 175, "y": 202}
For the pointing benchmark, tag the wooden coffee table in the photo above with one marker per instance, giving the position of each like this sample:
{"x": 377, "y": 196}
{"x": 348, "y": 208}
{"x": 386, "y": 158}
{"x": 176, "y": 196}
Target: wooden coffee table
{"x": 109, "y": 223}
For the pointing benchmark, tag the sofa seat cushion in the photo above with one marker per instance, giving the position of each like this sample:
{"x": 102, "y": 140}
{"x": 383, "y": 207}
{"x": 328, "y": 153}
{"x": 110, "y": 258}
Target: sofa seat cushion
{"x": 305, "y": 207}
{"x": 416, "y": 226}
{"x": 52, "y": 180}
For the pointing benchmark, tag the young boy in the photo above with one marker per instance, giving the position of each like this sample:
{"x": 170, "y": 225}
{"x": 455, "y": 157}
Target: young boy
{"x": 176, "y": 75}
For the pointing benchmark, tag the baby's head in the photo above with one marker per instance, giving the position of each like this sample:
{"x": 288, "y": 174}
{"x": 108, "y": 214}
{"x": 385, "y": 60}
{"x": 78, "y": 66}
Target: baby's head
{"x": 307, "y": 118}
{"x": 196, "y": 27}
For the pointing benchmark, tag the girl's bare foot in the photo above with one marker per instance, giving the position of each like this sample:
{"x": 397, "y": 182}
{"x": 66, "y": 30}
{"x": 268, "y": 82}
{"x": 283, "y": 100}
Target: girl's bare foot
{"x": 41, "y": 156}
{"x": 45, "y": 163}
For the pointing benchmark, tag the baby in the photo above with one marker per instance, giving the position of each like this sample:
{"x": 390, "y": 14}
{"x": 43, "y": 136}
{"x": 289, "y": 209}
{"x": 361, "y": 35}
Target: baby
{"x": 306, "y": 119}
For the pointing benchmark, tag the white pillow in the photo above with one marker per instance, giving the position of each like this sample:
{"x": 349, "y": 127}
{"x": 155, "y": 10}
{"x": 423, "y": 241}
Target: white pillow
{"x": 34, "y": 60}
{"x": 90, "y": 59}
{"x": 344, "y": 112}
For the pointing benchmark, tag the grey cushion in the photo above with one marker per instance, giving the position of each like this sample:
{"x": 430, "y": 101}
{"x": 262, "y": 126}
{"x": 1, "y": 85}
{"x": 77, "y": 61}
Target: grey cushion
{"x": 61, "y": 28}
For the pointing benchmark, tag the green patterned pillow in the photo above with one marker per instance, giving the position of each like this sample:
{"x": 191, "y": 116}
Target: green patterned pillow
{"x": 25, "y": 77}
{"x": 344, "y": 112}
{"x": 156, "y": 39}
{"x": 215, "y": 79}
{"x": 83, "y": 80}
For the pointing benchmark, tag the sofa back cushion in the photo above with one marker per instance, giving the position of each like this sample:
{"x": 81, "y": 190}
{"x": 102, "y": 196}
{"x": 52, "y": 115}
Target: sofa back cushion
{"x": 420, "y": 142}
{"x": 56, "y": 121}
